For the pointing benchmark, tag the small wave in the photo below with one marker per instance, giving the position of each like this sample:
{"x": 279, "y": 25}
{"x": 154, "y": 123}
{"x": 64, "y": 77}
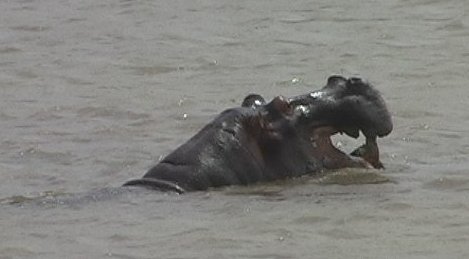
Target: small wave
{"x": 100, "y": 112}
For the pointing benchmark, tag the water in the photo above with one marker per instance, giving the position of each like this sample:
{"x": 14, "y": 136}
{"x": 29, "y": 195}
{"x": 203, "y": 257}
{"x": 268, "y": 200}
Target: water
{"x": 93, "y": 93}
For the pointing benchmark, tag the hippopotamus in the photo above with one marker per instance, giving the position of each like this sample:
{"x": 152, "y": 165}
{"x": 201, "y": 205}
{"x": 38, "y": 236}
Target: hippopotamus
{"x": 287, "y": 137}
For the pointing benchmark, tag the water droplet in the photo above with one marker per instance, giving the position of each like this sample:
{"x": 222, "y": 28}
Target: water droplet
{"x": 406, "y": 139}
{"x": 181, "y": 101}
{"x": 316, "y": 94}
{"x": 302, "y": 109}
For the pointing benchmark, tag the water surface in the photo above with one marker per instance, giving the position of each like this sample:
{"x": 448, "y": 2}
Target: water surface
{"x": 93, "y": 93}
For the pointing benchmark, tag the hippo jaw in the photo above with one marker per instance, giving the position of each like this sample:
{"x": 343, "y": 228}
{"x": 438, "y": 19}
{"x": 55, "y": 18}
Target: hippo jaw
{"x": 277, "y": 120}
{"x": 346, "y": 106}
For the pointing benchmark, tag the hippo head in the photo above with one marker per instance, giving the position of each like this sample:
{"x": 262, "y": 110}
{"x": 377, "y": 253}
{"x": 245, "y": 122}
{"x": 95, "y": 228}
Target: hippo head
{"x": 350, "y": 105}
{"x": 346, "y": 106}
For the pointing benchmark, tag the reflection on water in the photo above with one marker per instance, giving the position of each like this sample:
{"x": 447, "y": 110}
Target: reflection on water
{"x": 93, "y": 93}
{"x": 20, "y": 199}
{"x": 354, "y": 176}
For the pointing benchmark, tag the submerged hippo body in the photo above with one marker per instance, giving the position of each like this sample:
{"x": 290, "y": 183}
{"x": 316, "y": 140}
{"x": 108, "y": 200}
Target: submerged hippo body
{"x": 242, "y": 145}
{"x": 263, "y": 142}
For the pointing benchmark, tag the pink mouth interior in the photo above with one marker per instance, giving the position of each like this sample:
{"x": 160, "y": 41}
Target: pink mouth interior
{"x": 334, "y": 158}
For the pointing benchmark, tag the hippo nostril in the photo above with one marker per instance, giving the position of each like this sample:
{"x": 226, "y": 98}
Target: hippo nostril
{"x": 357, "y": 81}
{"x": 334, "y": 79}
{"x": 358, "y": 85}
{"x": 253, "y": 101}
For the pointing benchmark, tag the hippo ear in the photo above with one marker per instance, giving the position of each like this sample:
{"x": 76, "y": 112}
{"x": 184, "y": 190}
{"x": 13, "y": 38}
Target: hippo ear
{"x": 253, "y": 101}
{"x": 360, "y": 86}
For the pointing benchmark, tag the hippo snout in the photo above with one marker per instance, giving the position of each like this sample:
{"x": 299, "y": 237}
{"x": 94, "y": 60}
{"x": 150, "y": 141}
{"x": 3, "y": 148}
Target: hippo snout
{"x": 348, "y": 104}
{"x": 369, "y": 107}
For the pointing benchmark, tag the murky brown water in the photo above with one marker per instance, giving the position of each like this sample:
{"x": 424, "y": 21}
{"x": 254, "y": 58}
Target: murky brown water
{"x": 94, "y": 92}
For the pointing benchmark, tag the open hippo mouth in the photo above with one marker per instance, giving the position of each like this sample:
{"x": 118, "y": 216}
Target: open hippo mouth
{"x": 262, "y": 141}
{"x": 345, "y": 106}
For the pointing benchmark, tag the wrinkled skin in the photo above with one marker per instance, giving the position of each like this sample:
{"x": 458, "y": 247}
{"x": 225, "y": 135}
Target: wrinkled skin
{"x": 262, "y": 141}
